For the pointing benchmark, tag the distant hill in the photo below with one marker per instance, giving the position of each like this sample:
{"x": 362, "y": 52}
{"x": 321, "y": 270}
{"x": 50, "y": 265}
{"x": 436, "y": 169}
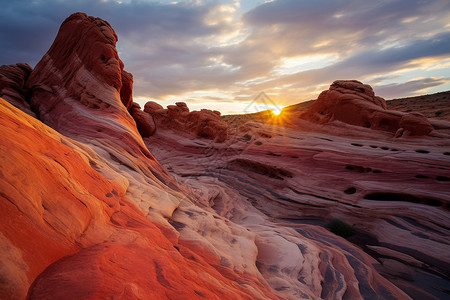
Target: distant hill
{"x": 436, "y": 106}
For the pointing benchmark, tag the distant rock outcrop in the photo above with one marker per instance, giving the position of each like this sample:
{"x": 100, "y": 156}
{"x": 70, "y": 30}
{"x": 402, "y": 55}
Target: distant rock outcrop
{"x": 12, "y": 85}
{"x": 355, "y": 103}
{"x": 204, "y": 123}
{"x": 151, "y": 107}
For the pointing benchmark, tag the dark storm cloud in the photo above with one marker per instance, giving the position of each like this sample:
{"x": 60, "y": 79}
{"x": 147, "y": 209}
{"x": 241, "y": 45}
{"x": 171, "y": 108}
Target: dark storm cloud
{"x": 300, "y": 25}
{"x": 24, "y": 34}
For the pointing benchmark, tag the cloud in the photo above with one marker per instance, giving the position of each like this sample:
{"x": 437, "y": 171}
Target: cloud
{"x": 303, "y": 85}
{"x": 410, "y": 88}
{"x": 34, "y": 25}
{"x": 168, "y": 47}
{"x": 291, "y": 28}
{"x": 242, "y": 48}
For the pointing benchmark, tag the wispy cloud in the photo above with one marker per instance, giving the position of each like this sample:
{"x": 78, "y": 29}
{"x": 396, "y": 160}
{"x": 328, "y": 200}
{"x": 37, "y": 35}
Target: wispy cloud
{"x": 412, "y": 87}
{"x": 290, "y": 49}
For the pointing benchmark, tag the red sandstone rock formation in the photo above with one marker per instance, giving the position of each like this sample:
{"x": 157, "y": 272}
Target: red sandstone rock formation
{"x": 98, "y": 198}
{"x": 415, "y": 124}
{"x": 72, "y": 233}
{"x": 205, "y": 123}
{"x": 79, "y": 88}
{"x": 12, "y": 85}
{"x": 389, "y": 191}
{"x": 81, "y": 70}
{"x": 355, "y": 103}
{"x": 87, "y": 211}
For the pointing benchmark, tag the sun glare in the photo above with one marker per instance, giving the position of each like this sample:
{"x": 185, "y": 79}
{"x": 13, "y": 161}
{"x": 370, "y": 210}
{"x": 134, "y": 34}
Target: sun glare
{"x": 276, "y": 111}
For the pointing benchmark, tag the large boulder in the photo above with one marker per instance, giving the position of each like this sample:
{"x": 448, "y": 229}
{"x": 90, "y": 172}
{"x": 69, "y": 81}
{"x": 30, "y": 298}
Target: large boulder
{"x": 206, "y": 123}
{"x": 355, "y": 103}
{"x": 150, "y": 107}
{"x": 416, "y": 124}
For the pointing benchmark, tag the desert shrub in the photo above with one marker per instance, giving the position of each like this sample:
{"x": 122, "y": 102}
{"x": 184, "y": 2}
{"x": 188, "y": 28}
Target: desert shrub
{"x": 340, "y": 228}
{"x": 258, "y": 143}
{"x": 247, "y": 137}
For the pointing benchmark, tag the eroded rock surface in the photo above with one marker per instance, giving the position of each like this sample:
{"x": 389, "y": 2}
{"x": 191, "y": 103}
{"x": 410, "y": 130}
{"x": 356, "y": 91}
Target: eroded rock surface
{"x": 69, "y": 232}
{"x": 12, "y": 85}
{"x": 88, "y": 212}
{"x": 303, "y": 176}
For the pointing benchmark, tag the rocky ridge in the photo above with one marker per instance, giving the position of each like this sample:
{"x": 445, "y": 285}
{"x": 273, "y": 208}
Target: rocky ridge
{"x": 436, "y": 106}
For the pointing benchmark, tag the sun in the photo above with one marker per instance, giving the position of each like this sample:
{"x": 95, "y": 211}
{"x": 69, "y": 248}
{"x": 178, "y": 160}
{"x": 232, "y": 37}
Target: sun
{"x": 276, "y": 111}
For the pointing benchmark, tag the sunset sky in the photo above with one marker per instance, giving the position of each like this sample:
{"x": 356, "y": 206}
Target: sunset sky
{"x": 222, "y": 54}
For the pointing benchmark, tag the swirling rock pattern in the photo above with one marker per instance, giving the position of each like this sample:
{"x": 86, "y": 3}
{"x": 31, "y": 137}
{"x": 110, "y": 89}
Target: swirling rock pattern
{"x": 88, "y": 212}
{"x": 69, "y": 232}
{"x": 93, "y": 206}
{"x": 304, "y": 175}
